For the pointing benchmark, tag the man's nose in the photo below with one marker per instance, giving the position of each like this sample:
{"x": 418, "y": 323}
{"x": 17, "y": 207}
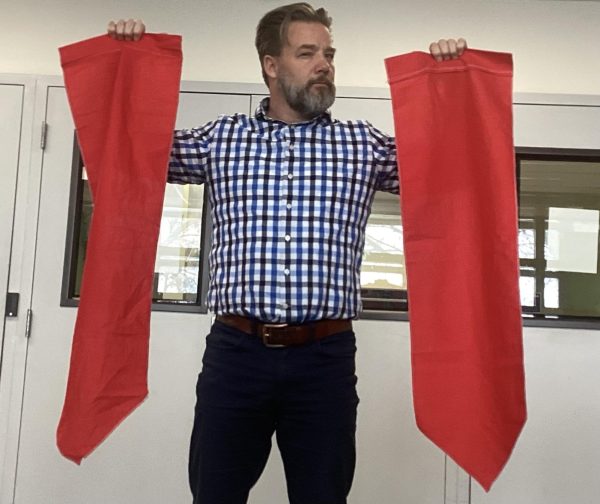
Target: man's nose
{"x": 323, "y": 65}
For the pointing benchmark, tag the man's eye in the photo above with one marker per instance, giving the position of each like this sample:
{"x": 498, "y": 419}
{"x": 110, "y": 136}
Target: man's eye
{"x": 305, "y": 54}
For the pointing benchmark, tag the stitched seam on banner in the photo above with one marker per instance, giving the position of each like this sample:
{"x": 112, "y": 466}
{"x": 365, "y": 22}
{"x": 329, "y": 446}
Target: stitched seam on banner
{"x": 165, "y": 53}
{"x": 450, "y": 70}
{"x": 86, "y": 56}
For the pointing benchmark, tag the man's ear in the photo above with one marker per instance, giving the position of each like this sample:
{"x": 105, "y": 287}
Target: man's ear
{"x": 270, "y": 66}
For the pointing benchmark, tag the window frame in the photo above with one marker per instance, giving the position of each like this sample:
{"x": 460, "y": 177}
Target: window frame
{"x": 69, "y": 275}
{"x": 529, "y": 316}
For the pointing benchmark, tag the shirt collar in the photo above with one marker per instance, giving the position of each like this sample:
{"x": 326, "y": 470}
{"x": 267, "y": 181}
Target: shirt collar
{"x": 263, "y": 108}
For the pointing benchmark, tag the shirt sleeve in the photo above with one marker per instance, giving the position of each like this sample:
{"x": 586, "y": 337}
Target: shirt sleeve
{"x": 190, "y": 155}
{"x": 385, "y": 161}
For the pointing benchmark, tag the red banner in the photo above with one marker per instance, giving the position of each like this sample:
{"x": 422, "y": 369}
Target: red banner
{"x": 453, "y": 123}
{"x": 123, "y": 97}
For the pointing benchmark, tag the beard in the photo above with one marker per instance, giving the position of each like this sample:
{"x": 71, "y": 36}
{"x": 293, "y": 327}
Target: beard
{"x": 309, "y": 100}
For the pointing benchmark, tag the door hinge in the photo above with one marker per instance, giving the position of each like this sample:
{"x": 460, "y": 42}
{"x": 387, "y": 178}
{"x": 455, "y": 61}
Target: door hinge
{"x": 28, "y": 323}
{"x": 43, "y": 135}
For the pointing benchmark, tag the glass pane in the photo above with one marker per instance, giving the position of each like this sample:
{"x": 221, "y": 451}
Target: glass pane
{"x": 527, "y": 290}
{"x": 526, "y": 241}
{"x": 574, "y": 244}
{"x": 383, "y": 260}
{"x": 551, "y": 292}
{"x": 560, "y": 201}
{"x": 551, "y": 244}
{"x": 85, "y": 218}
{"x": 178, "y": 255}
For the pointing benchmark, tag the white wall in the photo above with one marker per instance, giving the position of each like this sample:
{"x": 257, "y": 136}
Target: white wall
{"x": 555, "y": 49}
{"x": 554, "y": 42}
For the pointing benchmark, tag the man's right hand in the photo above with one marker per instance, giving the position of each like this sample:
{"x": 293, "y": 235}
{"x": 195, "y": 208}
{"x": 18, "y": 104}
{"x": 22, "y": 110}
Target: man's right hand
{"x": 132, "y": 29}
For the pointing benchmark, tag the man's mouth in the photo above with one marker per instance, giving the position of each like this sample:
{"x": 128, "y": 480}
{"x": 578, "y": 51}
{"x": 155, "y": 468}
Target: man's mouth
{"x": 321, "y": 83}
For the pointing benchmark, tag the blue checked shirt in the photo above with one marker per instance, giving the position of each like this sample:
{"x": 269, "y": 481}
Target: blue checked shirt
{"x": 289, "y": 207}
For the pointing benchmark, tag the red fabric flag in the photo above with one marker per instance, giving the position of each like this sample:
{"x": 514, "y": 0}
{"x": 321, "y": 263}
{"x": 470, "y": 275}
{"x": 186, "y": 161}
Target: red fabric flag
{"x": 123, "y": 97}
{"x": 453, "y": 123}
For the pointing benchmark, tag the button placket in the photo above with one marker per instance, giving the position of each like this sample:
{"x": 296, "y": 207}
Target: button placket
{"x": 284, "y": 169}
{"x": 287, "y": 146}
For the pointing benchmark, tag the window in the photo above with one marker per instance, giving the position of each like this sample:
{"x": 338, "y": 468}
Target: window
{"x": 559, "y": 220}
{"x": 383, "y": 275}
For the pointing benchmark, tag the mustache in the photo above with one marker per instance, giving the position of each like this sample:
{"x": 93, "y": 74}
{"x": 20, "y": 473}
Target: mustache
{"x": 321, "y": 80}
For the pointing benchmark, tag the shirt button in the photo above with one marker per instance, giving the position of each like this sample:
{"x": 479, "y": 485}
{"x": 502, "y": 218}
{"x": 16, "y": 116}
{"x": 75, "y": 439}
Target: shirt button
{"x": 291, "y": 145}
{"x": 285, "y": 306}
{"x": 290, "y": 176}
{"x": 289, "y": 206}
{"x": 286, "y": 272}
{"x": 287, "y": 237}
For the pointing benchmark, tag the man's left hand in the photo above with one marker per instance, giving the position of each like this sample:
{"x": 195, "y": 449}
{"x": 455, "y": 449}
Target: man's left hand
{"x": 445, "y": 49}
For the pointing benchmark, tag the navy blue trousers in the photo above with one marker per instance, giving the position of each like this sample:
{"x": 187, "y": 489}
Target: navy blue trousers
{"x": 246, "y": 391}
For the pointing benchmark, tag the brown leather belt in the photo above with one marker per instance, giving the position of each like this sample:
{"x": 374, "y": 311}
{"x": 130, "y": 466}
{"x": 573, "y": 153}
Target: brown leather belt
{"x": 280, "y": 335}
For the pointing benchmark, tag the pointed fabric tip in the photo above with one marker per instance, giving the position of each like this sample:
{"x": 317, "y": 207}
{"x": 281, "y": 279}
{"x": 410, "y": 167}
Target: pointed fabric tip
{"x": 453, "y": 123}
{"x": 61, "y": 444}
{"x": 123, "y": 97}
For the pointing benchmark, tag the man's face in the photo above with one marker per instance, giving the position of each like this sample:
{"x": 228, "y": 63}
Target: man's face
{"x": 305, "y": 72}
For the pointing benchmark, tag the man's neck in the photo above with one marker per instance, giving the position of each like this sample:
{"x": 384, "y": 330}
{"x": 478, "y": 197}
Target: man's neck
{"x": 280, "y": 110}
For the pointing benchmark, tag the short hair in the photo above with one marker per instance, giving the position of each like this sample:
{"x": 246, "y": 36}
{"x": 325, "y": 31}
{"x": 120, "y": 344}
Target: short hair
{"x": 271, "y": 32}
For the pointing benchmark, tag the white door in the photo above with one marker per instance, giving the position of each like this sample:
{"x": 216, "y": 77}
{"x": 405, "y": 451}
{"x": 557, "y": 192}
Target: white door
{"x": 145, "y": 458}
{"x": 11, "y": 120}
{"x": 11, "y": 109}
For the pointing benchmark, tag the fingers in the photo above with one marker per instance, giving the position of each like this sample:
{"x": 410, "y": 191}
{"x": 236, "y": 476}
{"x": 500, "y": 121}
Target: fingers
{"x": 446, "y": 49}
{"x": 452, "y": 48}
{"x": 436, "y": 52}
{"x": 121, "y": 30}
{"x": 126, "y": 30}
{"x": 111, "y": 29}
{"x": 138, "y": 29}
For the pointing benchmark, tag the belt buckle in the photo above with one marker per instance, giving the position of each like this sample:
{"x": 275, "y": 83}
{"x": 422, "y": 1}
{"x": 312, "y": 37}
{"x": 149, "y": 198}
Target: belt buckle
{"x": 266, "y": 334}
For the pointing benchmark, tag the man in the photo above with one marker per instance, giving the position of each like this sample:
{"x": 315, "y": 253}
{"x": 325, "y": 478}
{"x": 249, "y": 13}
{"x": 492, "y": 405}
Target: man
{"x": 290, "y": 191}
